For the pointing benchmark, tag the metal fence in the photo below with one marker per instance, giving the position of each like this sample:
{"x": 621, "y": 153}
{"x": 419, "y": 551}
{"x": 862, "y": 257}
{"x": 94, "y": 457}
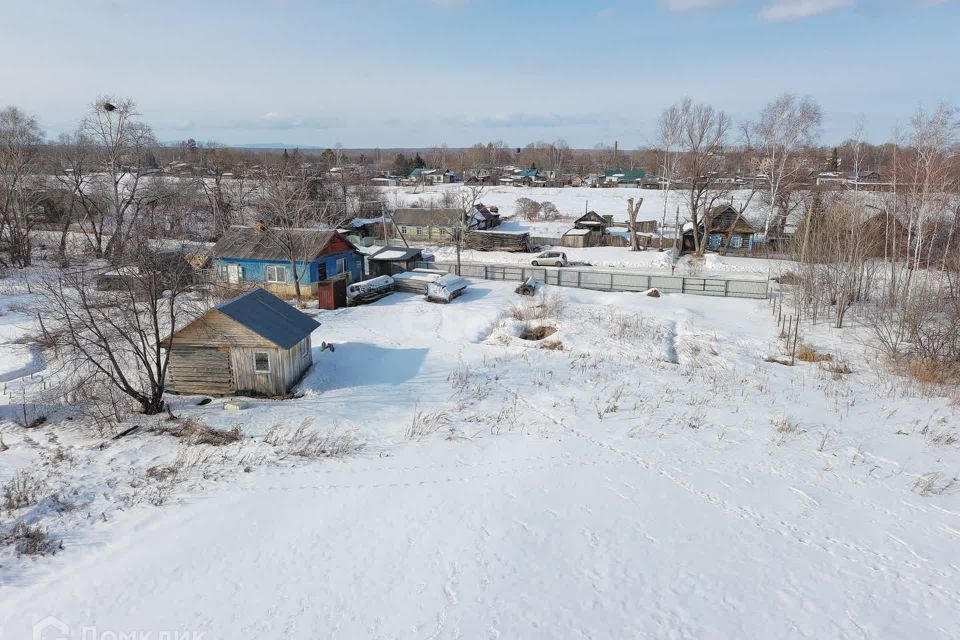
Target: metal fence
{"x": 609, "y": 280}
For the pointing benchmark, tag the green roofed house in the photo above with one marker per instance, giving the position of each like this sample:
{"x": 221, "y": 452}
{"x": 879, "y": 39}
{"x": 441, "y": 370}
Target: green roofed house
{"x": 623, "y": 177}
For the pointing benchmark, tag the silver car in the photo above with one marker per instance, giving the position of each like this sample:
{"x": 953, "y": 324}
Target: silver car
{"x": 550, "y": 259}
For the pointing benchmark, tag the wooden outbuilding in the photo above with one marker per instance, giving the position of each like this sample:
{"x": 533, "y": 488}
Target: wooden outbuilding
{"x": 254, "y": 344}
{"x": 392, "y": 260}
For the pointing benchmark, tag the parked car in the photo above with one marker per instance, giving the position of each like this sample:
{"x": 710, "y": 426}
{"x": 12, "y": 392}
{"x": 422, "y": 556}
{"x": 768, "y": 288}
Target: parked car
{"x": 550, "y": 259}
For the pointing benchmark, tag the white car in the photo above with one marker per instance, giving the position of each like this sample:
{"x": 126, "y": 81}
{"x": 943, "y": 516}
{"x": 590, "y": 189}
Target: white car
{"x": 550, "y": 259}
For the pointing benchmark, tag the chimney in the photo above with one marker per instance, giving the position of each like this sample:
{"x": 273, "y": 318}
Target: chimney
{"x": 259, "y": 226}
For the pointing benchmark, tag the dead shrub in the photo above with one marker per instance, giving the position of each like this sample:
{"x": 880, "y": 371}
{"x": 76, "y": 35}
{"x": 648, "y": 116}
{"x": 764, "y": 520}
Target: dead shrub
{"x": 839, "y": 368}
{"x": 22, "y": 490}
{"x": 30, "y": 540}
{"x": 933, "y": 372}
{"x": 306, "y": 442}
{"x": 425, "y": 424}
{"x": 806, "y": 353}
{"x": 553, "y": 345}
{"x": 196, "y": 432}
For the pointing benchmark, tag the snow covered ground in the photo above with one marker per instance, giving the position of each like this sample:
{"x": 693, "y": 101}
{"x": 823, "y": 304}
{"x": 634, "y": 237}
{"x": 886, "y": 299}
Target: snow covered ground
{"x": 641, "y": 472}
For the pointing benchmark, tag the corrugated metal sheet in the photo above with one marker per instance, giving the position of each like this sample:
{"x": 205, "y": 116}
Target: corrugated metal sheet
{"x": 270, "y": 317}
{"x": 253, "y": 244}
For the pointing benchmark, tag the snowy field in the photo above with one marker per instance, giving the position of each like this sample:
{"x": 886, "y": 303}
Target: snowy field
{"x": 641, "y": 472}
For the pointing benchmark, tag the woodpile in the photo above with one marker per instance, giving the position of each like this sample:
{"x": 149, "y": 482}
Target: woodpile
{"x": 497, "y": 241}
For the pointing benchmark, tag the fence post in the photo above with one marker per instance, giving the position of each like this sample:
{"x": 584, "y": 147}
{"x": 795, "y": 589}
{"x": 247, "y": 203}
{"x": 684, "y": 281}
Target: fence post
{"x": 611, "y": 281}
{"x": 726, "y": 288}
{"x": 579, "y": 278}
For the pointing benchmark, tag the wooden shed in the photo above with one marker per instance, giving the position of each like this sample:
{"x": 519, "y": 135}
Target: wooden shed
{"x": 254, "y": 344}
{"x": 392, "y": 260}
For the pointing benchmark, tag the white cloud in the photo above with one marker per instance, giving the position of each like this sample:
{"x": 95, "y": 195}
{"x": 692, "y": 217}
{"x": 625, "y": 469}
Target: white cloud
{"x": 784, "y": 10}
{"x": 691, "y": 5}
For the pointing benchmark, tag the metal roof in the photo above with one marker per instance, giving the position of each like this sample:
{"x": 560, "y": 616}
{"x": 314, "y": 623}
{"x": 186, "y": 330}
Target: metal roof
{"x": 395, "y": 253}
{"x": 269, "y": 317}
{"x": 250, "y": 243}
{"x": 424, "y": 217}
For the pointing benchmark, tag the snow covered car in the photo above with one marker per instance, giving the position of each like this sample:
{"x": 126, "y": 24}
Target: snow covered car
{"x": 550, "y": 259}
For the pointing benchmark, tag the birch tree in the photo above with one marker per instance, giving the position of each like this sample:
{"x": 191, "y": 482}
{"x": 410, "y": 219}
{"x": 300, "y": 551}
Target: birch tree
{"x": 786, "y": 127}
{"x": 669, "y": 130}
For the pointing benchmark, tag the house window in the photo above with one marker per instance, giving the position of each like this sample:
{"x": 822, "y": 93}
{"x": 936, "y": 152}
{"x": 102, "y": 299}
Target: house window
{"x": 736, "y": 242}
{"x": 232, "y": 273}
{"x": 276, "y": 273}
{"x": 715, "y": 240}
{"x": 302, "y": 349}
{"x": 419, "y": 231}
{"x": 341, "y": 265}
{"x": 261, "y": 362}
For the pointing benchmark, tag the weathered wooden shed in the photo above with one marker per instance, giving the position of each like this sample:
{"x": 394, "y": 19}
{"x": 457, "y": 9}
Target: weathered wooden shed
{"x": 392, "y": 260}
{"x": 254, "y": 344}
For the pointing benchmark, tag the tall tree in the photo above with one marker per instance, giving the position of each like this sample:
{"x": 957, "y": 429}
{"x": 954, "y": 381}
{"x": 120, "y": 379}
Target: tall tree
{"x": 20, "y": 145}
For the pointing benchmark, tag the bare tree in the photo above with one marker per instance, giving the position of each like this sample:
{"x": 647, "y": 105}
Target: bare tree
{"x": 109, "y": 327}
{"x": 632, "y": 211}
{"x": 786, "y": 127}
{"x": 669, "y": 130}
{"x": 20, "y": 143}
{"x": 291, "y": 203}
{"x": 226, "y": 189}
{"x": 703, "y": 133}
{"x": 103, "y": 166}
{"x": 469, "y": 196}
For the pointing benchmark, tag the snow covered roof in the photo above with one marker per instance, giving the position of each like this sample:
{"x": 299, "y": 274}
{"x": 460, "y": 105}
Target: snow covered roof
{"x": 395, "y": 253}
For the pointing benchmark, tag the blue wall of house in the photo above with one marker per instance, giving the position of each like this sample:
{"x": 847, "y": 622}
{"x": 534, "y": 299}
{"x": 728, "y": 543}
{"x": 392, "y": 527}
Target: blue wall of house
{"x": 256, "y": 270}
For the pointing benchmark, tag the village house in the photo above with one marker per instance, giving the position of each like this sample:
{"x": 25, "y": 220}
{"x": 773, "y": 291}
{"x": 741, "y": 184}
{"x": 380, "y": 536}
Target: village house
{"x": 623, "y": 178}
{"x": 429, "y": 224}
{"x": 724, "y": 222}
{"x": 254, "y": 344}
{"x": 265, "y": 257}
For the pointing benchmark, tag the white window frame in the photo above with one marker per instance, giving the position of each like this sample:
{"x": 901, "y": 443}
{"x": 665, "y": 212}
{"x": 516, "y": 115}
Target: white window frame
{"x": 261, "y": 353}
{"x": 277, "y": 269}
{"x": 303, "y": 350}
{"x": 343, "y": 266}
{"x": 736, "y": 241}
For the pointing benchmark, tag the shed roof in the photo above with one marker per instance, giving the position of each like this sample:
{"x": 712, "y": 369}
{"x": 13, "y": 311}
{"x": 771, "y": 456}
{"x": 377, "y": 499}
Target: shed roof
{"x": 250, "y": 243}
{"x": 395, "y": 253}
{"x": 269, "y": 317}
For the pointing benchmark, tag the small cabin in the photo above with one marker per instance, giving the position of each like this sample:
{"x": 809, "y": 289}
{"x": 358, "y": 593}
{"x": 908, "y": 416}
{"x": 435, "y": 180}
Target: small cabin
{"x": 254, "y": 344}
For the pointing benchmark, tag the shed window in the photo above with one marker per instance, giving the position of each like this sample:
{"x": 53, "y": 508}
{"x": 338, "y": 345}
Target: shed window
{"x": 261, "y": 362}
{"x": 302, "y": 348}
{"x": 736, "y": 242}
{"x": 276, "y": 273}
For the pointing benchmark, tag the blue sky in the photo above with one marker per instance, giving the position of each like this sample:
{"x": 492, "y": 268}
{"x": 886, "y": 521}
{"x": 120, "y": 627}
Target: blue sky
{"x": 394, "y": 73}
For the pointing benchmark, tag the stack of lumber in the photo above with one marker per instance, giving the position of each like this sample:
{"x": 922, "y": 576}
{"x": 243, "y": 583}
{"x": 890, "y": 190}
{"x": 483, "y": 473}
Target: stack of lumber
{"x": 497, "y": 241}
{"x": 413, "y": 282}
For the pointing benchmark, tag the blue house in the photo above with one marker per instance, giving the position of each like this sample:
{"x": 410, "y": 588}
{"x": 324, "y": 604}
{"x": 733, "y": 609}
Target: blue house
{"x": 272, "y": 258}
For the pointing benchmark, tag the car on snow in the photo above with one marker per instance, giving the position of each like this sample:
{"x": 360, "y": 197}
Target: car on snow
{"x": 550, "y": 259}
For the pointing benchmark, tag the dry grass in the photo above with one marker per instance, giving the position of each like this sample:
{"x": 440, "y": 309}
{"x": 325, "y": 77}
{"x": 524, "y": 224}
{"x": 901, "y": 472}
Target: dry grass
{"x": 935, "y": 484}
{"x": 553, "y": 345}
{"x": 196, "y": 432}
{"x": 933, "y": 372}
{"x": 30, "y": 540}
{"x": 806, "y": 353}
{"x": 307, "y": 442}
{"x": 22, "y": 490}
{"x": 425, "y": 424}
